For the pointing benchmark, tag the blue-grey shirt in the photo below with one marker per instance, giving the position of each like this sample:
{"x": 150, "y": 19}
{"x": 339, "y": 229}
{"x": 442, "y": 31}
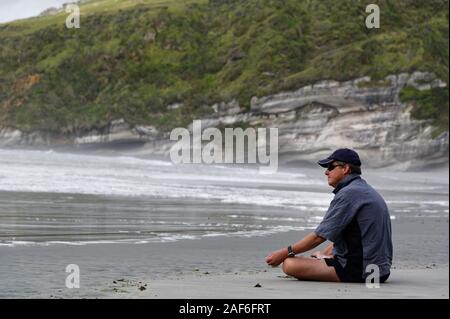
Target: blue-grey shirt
{"x": 359, "y": 225}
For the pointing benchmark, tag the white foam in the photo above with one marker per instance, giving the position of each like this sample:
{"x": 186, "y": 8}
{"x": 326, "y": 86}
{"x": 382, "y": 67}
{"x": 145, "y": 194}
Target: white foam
{"x": 35, "y": 171}
{"x": 276, "y": 219}
{"x": 421, "y": 202}
{"x": 163, "y": 237}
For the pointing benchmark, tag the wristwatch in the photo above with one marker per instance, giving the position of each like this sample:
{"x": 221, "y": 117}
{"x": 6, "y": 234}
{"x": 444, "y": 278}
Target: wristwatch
{"x": 290, "y": 251}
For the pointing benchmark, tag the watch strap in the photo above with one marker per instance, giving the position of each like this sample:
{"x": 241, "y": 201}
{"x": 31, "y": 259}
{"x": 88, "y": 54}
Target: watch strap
{"x": 290, "y": 251}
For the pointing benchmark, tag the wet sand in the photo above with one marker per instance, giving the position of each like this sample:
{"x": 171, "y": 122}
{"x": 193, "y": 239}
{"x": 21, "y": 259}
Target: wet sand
{"x": 219, "y": 267}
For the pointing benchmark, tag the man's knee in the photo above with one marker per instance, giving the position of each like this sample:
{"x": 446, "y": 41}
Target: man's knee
{"x": 288, "y": 266}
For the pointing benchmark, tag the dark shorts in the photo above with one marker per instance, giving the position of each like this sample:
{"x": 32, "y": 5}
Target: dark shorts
{"x": 351, "y": 273}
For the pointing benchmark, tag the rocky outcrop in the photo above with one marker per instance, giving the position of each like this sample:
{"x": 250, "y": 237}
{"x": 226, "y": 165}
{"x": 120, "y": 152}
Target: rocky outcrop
{"x": 313, "y": 120}
{"x": 117, "y": 131}
{"x": 358, "y": 114}
{"x": 50, "y": 12}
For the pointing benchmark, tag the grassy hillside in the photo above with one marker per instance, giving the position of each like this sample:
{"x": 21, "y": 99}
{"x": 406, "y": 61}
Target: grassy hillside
{"x": 132, "y": 58}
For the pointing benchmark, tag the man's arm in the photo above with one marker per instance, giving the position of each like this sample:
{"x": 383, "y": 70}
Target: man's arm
{"x": 326, "y": 253}
{"x": 307, "y": 243}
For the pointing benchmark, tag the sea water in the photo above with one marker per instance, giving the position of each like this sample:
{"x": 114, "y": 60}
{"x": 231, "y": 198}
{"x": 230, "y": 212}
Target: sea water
{"x": 53, "y": 198}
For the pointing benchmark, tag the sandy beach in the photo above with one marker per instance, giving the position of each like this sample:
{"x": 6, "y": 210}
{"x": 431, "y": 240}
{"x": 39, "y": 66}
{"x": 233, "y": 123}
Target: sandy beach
{"x": 139, "y": 228}
{"x": 222, "y": 268}
{"x": 411, "y": 283}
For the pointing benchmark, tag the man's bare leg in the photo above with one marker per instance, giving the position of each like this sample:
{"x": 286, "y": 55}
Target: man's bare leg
{"x": 305, "y": 268}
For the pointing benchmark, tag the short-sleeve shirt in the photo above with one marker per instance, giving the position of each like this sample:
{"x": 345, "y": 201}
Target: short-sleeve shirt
{"x": 359, "y": 225}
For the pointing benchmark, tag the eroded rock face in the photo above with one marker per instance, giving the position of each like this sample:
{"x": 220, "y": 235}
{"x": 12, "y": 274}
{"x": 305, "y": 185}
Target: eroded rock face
{"x": 118, "y": 130}
{"x": 312, "y": 121}
{"x": 360, "y": 114}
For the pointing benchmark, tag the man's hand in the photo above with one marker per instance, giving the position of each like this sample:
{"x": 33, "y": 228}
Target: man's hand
{"x": 320, "y": 255}
{"x": 277, "y": 257}
{"x": 307, "y": 243}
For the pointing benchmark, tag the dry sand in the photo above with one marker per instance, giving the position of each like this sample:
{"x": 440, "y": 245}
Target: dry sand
{"x": 412, "y": 283}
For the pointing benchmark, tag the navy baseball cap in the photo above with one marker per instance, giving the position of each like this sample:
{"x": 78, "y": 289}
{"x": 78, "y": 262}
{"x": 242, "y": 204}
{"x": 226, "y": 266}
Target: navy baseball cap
{"x": 345, "y": 155}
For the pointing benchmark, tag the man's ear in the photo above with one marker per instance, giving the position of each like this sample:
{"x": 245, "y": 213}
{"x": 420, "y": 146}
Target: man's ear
{"x": 347, "y": 169}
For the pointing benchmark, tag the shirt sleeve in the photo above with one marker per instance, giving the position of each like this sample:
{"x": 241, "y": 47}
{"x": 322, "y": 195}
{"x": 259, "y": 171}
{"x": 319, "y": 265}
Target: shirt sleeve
{"x": 339, "y": 215}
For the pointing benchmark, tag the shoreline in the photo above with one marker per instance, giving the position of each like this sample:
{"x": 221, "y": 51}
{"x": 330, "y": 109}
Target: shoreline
{"x": 140, "y": 151}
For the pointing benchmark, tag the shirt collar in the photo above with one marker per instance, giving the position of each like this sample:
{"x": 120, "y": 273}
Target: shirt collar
{"x": 345, "y": 181}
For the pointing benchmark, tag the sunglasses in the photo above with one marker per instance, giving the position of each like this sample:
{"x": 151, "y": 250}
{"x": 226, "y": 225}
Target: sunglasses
{"x": 332, "y": 167}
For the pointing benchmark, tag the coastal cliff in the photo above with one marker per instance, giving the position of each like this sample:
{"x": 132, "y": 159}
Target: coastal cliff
{"x": 362, "y": 114}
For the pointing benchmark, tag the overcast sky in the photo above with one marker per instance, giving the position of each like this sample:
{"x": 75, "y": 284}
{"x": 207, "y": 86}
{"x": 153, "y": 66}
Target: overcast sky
{"x": 18, "y": 9}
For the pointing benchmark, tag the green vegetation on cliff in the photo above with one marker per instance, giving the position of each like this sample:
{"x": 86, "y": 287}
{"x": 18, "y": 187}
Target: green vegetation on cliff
{"x": 429, "y": 104}
{"x": 131, "y": 59}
